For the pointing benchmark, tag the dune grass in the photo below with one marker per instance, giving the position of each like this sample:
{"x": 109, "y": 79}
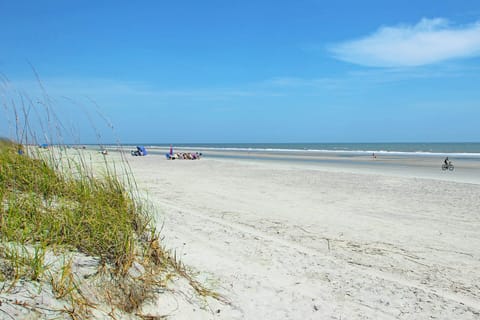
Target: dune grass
{"x": 93, "y": 216}
{"x": 44, "y": 209}
{"x": 52, "y": 202}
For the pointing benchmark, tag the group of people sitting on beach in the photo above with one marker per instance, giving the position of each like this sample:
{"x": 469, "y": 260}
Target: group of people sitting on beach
{"x": 184, "y": 155}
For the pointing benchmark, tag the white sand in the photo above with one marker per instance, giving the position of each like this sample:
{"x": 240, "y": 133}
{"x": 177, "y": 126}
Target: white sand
{"x": 332, "y": 239}
{"x": 285, "y": 240}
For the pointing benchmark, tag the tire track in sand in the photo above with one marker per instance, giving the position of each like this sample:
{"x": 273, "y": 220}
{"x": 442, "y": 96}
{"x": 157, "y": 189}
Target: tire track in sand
{"x": 359, "y": 268}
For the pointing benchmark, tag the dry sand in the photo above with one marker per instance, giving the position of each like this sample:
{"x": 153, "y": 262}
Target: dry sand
{"x": 333, "y": 240}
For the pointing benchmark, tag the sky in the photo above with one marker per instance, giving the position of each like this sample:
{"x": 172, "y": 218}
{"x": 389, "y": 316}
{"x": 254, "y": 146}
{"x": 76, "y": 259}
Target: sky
{"x": 245, "y": 71}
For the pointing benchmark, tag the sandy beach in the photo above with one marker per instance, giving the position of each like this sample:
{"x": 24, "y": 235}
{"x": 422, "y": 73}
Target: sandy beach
{"x": 331, "y": 240}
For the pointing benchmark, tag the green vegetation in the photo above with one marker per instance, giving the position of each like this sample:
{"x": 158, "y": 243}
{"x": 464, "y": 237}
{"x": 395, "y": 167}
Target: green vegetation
{"x": 94, "y": 216}
{"x": 68, "y": 209}
{"x": 73, "y": 231}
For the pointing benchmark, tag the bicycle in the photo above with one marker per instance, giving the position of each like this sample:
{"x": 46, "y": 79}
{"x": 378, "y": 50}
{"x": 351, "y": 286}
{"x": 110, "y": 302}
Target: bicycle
{"x": 448, "y": 166}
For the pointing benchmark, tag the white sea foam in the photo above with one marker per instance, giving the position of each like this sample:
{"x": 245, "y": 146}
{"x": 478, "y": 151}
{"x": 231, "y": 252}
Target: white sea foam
{"x": 472, "y": 155}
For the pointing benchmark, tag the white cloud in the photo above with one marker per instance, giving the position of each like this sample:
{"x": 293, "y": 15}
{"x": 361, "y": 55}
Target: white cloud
{"x": 74, "y": 88}
{"x": 429, "y": 41}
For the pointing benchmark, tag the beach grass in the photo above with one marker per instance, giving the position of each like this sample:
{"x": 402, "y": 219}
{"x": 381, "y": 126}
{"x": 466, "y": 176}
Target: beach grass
{"x": 54, "y": 203}
{"x": 93, "y": 216}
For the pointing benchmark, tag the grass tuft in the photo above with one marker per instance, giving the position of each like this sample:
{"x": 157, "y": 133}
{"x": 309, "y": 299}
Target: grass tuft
{"x": 54, "y": 204}
{"x": 94, "y": 216}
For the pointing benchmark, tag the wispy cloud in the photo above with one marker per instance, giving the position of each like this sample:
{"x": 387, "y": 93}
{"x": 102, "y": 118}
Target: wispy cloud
{"x": 108, "y": 88}
{"x": 295, "y": 82}
{"x": 429, "y": 41}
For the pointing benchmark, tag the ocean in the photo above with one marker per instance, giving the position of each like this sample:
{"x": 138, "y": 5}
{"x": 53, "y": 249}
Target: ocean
{"x": 458, "y": 150}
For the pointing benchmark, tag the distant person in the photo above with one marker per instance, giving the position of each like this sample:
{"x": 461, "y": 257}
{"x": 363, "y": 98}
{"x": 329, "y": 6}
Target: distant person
{"x": 446, "y": 161}
{"x": 374, "y": 156}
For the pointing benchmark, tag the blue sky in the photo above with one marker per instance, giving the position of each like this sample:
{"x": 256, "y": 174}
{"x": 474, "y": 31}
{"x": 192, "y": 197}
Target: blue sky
{"x": 249, "y": 71}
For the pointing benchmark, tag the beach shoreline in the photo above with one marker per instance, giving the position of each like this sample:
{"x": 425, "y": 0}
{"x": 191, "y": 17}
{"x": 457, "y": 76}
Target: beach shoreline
{"x": 282, "y": 239}
{"x": 413, "y": 165}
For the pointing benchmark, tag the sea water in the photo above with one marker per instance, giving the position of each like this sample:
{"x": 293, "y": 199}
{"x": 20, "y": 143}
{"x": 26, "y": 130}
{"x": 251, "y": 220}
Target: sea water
{"x": 458, "y": 150}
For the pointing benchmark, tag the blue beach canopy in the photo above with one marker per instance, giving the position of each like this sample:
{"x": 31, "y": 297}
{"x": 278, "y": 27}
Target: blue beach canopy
{"x": 142, "y": 150}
